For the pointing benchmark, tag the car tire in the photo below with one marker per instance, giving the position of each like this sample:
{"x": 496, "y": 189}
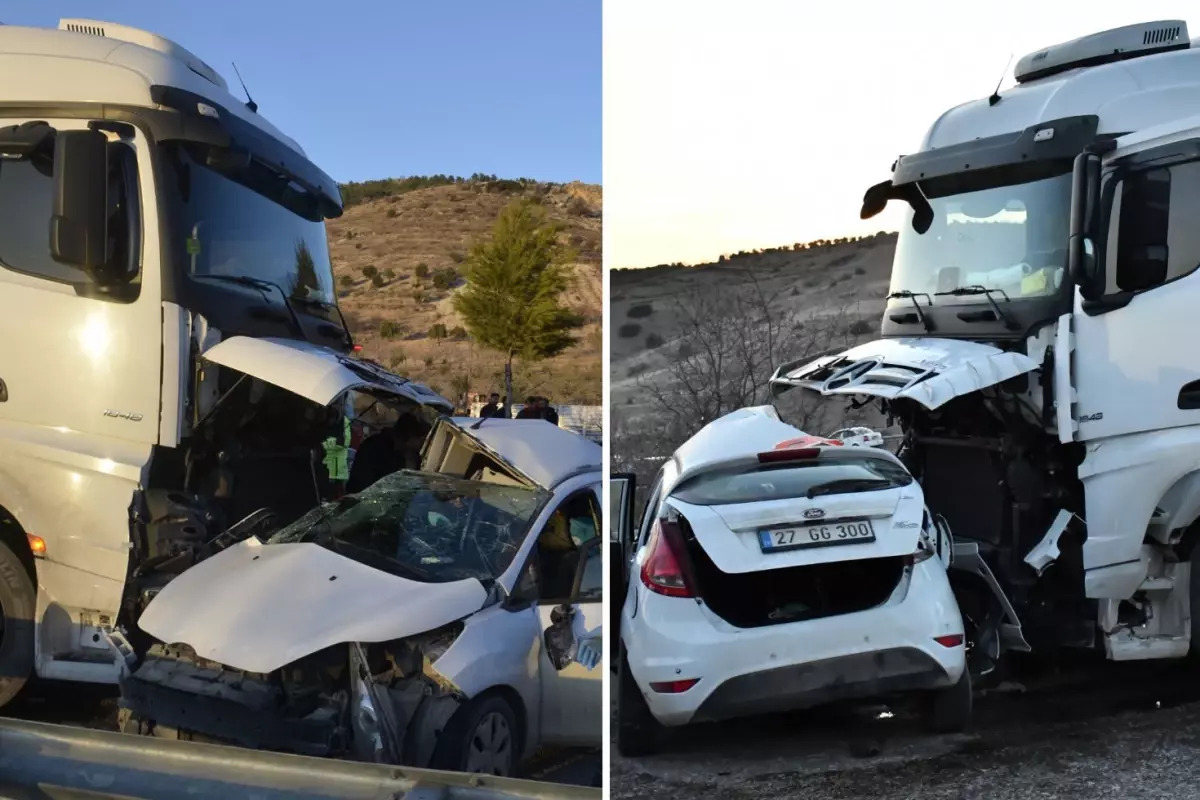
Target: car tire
{"x": 948, "y": 710}
{"x": 482, "y": 737}
{"x": 1194, "y": 605}
{"x": 638, "y": 732}
{"x": 18, "y": 607}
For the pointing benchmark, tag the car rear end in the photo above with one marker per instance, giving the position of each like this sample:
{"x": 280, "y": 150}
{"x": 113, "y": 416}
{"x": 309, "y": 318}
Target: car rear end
{"x": 790, "y": 578}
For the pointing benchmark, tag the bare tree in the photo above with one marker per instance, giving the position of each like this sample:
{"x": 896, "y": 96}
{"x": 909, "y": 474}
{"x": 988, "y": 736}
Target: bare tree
{"x": 727, "y": 343}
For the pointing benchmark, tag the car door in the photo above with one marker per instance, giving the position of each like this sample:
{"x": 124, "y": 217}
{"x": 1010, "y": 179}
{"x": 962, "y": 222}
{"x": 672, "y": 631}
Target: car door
{"x": 620, "y": 540}
{"x": 570, "y": 663}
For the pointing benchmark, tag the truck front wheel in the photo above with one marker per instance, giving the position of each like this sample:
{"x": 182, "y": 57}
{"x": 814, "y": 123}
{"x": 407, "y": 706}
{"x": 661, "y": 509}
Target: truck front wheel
{"x": 18, "y": 605}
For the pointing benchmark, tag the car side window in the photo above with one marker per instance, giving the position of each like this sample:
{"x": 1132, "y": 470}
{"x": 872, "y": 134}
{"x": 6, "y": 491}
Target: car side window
{"x": 564, "y": 544}
{"x": 591, "y": 576}
{"x": 1155, "y": 238}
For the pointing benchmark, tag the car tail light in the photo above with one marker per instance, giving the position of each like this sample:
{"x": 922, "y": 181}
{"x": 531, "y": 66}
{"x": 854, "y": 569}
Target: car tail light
{"x": 662, "y": 571}
{"x": 924, "y": 551}
{"x": 674, "y": 687}
{"x": 953, "y": 640}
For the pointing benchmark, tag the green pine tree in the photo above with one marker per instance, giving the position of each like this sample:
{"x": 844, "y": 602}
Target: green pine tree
{"x": 515, "y": 281}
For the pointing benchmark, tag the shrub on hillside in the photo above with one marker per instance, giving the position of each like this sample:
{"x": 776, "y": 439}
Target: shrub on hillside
{"x": 389, "y": 329}
{"x": 369, "y": 271}
{"x": 377, "y": 280}
{"x": 458, "y": 333}
{"x": 861, "y": 327}
{"x": 640, "y": 311}
{"x": 389, "y": 273}
{"x": 653, "y": 341}
{"x": 346, "y": 281}
{"x": 398, "y": 359}
{"x": 438, "y": 331}
{"x": 392, "y": 213}
{"x": 458, "y": 256}
{"x": 629, "y": 330}
{"x": 445, "y": 278}
{"x": 422, "y": 270}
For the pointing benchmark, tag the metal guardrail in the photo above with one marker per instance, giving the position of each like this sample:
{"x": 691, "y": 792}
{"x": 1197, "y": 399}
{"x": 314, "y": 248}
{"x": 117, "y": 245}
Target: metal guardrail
{"x": 40, "y": 760}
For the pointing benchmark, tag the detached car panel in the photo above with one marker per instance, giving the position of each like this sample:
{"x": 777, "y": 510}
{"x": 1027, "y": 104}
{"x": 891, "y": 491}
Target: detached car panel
{"x": 931, "y": 371}
{"x": 316, "y": 373}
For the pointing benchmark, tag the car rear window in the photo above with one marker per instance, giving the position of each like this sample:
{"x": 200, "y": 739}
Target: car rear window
{"x": 759, "y": 482}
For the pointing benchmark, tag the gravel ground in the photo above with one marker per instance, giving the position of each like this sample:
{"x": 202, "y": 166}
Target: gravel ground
{"x": 1108, "y": 731}
{"x": 96, "y": 707}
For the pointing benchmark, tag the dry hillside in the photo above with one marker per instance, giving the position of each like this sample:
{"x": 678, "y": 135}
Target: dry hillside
{"x": 820, "y": 296}
{"x": 849, "y": 277}
{"x": 428, "y": 232}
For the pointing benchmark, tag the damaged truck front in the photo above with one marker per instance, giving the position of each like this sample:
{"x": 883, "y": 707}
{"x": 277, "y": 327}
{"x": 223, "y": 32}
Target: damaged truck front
{"x": 448, "y": 617}
{"x": 170, "y": 334}
{"x": 1036, "y": 348}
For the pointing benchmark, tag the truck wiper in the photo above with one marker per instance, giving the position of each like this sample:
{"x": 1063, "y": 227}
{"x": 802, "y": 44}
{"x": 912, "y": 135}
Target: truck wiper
{"x": 848, "y": 485}
{"x": 964, "y": 291}
{"x": 904, "y": 294}
{"x": 263, "y": 286}
{"x": 313, "y": 302}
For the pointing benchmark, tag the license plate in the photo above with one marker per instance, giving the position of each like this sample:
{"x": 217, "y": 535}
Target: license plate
{"x": 830, "y": 533}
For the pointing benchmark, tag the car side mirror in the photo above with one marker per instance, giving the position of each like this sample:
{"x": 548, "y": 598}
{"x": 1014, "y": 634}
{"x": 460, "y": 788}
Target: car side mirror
{"x": 1082, "y": 263}
{"x": 79, "y": 221}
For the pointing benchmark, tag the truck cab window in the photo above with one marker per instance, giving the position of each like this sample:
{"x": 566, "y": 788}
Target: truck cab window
{"x": 1157, "y": 238}
{"x": 26, "y": 199}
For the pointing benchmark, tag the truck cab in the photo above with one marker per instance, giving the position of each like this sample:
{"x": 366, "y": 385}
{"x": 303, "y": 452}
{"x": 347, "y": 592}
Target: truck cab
{"x": 1035, "y": 346}
{"x": 173, "y": 354}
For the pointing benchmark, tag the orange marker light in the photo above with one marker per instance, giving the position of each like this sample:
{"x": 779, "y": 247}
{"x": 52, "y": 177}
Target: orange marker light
{"x": 37, "y": 545}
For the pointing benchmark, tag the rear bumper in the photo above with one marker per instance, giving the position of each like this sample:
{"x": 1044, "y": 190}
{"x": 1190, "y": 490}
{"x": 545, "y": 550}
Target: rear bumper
{"x": 745, "y": 671}
{"x": 903, "y": 669}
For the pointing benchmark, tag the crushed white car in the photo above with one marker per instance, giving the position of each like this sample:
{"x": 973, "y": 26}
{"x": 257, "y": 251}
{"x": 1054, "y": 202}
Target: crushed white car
{"x": 773, "y": 571}
{"x": 448, "y": 617}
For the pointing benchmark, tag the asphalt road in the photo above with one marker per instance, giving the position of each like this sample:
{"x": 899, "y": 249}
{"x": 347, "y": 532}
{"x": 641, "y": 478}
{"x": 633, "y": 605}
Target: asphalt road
{"x": 96, "y": 707}
{"x": 1091, "y": 732}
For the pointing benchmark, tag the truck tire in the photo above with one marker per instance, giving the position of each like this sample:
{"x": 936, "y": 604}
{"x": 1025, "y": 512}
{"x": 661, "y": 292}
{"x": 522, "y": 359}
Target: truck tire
{"x": 18, "y": 607}
{"x": 482, "y": 737}
{"x": 1194, "y": 606}
{"x": 948, "y": 710}
{"x": 638, "y": 732}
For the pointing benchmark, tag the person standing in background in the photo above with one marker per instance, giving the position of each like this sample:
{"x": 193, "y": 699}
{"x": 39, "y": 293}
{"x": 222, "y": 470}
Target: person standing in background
{"x": 493, "y": 407}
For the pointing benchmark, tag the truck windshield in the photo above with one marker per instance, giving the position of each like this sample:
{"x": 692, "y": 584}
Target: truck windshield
{"x": 1010, "y": 238}
{"x": 255, "y": 225}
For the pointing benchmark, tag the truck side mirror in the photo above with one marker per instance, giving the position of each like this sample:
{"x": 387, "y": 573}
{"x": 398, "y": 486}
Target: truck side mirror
{"x": 1082, "y": 264}
{"x": 79, "y": 224}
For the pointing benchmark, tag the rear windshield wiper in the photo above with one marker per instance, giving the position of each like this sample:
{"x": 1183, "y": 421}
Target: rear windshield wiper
{"x": 849, "y": 485}
{"x": 965, "y": 291}
{"x": 904, "y": 294}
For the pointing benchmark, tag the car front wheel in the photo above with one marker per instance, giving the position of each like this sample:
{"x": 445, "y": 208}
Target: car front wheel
{"x": 482, "y": 737}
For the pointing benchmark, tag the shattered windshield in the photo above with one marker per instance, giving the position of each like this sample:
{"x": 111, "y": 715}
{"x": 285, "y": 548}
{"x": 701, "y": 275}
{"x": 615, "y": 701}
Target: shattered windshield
{"x": 1008, "y": 238}
{"x": 424, "y": 527}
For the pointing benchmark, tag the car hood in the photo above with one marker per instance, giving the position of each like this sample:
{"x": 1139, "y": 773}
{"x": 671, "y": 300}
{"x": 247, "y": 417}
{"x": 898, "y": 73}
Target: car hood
{"x": 317, "y": 373}
{"x": 929, "y": 371}
{"x": 258, "y": 607}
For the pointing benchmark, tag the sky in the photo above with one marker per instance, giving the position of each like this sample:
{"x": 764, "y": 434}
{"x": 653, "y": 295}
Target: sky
{"x": 759, "y": 123}
{"x": 375, "y": 89}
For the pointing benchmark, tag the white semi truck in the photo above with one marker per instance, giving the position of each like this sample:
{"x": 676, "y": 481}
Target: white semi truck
{"x": 1039, "y": 347}
{"x": 171, "y": 350}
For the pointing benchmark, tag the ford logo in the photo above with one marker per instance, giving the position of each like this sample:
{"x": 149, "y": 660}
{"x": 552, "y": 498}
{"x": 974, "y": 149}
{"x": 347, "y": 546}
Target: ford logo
{"x": 813, "y": 513}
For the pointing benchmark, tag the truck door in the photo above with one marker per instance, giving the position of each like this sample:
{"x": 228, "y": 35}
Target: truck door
{"x": 1135, "y": 363}
{"x": 80, "y": 368}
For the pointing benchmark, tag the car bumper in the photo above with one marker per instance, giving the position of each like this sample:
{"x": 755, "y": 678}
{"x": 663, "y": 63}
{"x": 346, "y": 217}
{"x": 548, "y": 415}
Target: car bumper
{"x": 746, "y": 671}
